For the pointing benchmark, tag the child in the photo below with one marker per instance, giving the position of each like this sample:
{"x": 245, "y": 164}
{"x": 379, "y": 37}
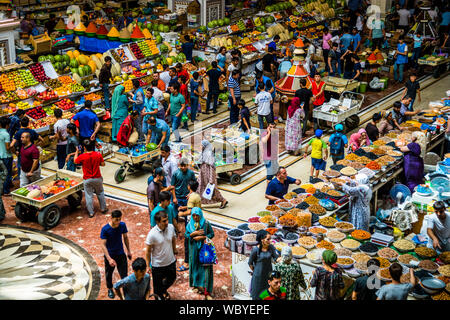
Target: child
{"x": 417, "y": 48}
{"x": 263, "y": 100}
{"x": 317, "y": 162}
{"x": 72, "y": 145}
{"x": 338, "y": 143}
{"x": 195, "y": 94}
{"x": 412, "y": 87}
{"x": 245, "y": 116}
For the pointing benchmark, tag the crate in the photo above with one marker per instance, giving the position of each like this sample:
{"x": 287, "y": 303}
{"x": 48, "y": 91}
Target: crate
{"x": 137, "y": 159}
{"x": 48, "y": 156}
{"x": 41, "y": 43}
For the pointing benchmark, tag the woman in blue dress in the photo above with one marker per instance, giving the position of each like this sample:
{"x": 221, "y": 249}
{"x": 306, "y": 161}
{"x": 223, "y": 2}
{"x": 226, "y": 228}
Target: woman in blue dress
{"x": 119, "y": 109}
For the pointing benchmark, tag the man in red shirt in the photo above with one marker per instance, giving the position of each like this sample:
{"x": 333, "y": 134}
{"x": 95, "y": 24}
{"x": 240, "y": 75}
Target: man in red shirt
{"x": 91, "y": 161}
{"x": 182, "y": 72}
{"x": 318, "y": 98}
{"x": 29, "y": 160}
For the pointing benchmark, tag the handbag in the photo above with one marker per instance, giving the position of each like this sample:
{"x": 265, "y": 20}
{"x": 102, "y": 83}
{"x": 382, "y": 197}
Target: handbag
{"x": 207, "y": 194}
{"x": 207, "y": 253}
{"x": 133, "y": 137}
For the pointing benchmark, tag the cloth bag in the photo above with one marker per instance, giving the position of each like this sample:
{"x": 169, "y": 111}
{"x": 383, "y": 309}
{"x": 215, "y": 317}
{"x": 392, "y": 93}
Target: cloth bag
{"x": 207, "y": 253}
{"x": 207, "y": 194}
{"x": 134, "y": 136}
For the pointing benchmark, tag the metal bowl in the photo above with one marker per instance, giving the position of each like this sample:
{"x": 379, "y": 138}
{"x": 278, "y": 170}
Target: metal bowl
{"x": 432, "y": 285}
{"x": 235, "y": 237}
{"x": 346, "y": 266}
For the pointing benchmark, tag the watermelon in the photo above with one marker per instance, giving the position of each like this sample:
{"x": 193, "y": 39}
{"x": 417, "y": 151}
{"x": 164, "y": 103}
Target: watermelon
{"x": 227, "y": 20}
{"x": 220, "y": 22}
{"x": 212, "y": 24}
{"x": 58, "y": 58}
{"x": 74, "y": 70}
{"x": 81, "y": 71}
{"x": 163, "y": 48}
{"x": 166, "y": 29}
{"x": 155, "y": 27}
{"x": 87, "y": 70}
{"x": 159, "y": 39}
{"x": 66, "y": 59}
{"x": 73, "y": 63}
{"x": 151, "y": 146}
{"x": 269, "y": 8}
{"x": 161, "y": 28}
{"x": 270, "y": 19}
{"x": 50, "y": 58}
{"x": 42, "y": 58}
{"x": 203, "y": 29}
{"x": 156, "y": 33}
{"x": 149, "y": 26}
{"x": 263, "y": 20}
{"x": 181, "y": 57}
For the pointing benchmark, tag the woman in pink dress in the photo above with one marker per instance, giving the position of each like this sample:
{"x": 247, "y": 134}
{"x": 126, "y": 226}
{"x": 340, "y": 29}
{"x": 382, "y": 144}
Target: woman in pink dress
{"x": 293, "y": 129}
{"x": 358, "y": 140}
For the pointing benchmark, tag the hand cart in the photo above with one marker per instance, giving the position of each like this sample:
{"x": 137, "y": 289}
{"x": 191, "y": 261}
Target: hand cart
{"x": 439, "y": 66}
{"x": 349, "y": 116}
{"x": 47, "y": 212}
{"x": 339, "y": 85}
{"x": 131, "y": 163}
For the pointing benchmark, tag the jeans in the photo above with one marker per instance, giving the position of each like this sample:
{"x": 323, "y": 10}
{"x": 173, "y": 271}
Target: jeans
{"x": 410, "y": 107}
{"x": 398, "y": 67}
{"x": 234, "y": 110}
{"x": 61, "y": 154}
{"x": 91, "y": 186}
{"x": 194, "y": 108}
{"x": 337, "y": 157}
{"x": 176, "y": 121}
{"x": 8, "y": 162}
{"x": 122, "y": 267}
{"x": 261, "y": 120}
{"x": 163, "y": 278}
{"x": 377, "y": 42}
{"x": 339, "y": 54}
{"x": 305, "y": 120}
{"x": 335, "y": 69}
{"x": 71, "y": 166}
{"x": 416, "y": 56}
{"x": 325, "y": 59}
{"x": 24, "y": 179}
{"x": 105, "y": 89}
{"x": 215, "y": 97}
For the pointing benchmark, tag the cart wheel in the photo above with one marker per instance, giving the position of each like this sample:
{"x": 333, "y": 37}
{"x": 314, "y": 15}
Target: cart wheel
{"x": 21, "y": 212}
{"x": 352, "y": 122}
{"x": 75, "y": 200}
{"x": 49, "y": 216}
{"x": 138, "y": 166}
{"x": 235, "y": 179}
{"x": 119, "y": 176}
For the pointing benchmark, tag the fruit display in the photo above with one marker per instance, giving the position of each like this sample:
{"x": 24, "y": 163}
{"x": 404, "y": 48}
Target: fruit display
{"x": 7, "y": 84}
{"x": 65, "y": 104}
{"x": 23, "y": 105}
{"x": 53, "y": 83}
{"x": 37, "y": 70}
{"x": 136, "y": 51}
{"x": 36, "y": 113}
{"x": 52, "y": 188}
{"x": 68, "y": 115}
{"x": 128, "y": 85}
{"x": 145, "y": 50}
{"x": 47, "y": 95}
{"x": 44, "y": 122}
{"x": 65, "y": 80}
{"x": 27, "y": 78}
{"x": 8, "y": 97}
{"x": 92, "y": 96}
{"x": 152, "y": 46}
{"x": 76, "y": 87}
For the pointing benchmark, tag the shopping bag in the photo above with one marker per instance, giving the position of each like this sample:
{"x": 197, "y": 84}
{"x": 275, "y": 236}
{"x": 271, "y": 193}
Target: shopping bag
{"x": 207, "y": 254}
{"x": 207, "y": 194}
{"x": 133, "y": 137}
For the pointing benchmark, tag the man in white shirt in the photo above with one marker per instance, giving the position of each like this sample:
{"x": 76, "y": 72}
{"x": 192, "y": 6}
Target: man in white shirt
{"x": 403, "y": 22}
{"x": 233, "y": 66}
{"x": 263, "y": 100}
{"x": 160, "y": 254}
{"x": 159, "y": 96}
{"x": 169, "y": 163}
{"x": 438, "y": 228}
{"x": 60, "y": 128}
{"x": 164, "y": 76}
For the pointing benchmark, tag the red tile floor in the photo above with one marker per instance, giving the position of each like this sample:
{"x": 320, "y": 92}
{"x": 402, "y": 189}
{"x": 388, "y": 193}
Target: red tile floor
{"x": 79, "y": 228}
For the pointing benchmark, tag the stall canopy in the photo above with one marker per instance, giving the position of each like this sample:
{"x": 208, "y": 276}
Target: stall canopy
{"x": 291, "y": 83}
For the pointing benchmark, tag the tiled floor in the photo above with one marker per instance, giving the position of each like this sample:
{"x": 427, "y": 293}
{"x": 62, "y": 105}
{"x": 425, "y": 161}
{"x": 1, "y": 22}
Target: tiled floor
{"x": 77, "y": 227}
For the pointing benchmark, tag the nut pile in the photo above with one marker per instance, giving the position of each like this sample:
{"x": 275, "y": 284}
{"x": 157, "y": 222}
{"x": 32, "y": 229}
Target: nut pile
{"x": 249, "y": 237}
{"x": 325, "y": 245}
{"x": 344, "y": 261}
{"x": 256, "y": 226}
{"x": 361, "y": 257}
{"x": 445, "y": 270}
{"x": 344, "y": 225}
{"x": 329, "y": 222}
{"x": 425, "y": 252}
{"x": 350, "y": 243}
{"x": 307, "y": 241}
{"x": 316, "y": 209}
{"x": 317, "y": 230}
{"x": 343, "y": 252}
{"x": 387, "y": 253}
{"x": 334, "y": 234}
{"x": 406, "y": 258}
{"x": 299, "y": 251}
{"x": 404, "y": 245}
{"x": 428, "y": 265}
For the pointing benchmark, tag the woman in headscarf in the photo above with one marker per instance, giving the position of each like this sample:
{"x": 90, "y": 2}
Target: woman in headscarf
{"x": 358, "y": 140}
{"x": 291, "y": 274}
{"x": 413, "y": 163}
{"x": 197, "y": 230}
{"x": 386, "y": 124}
{"x": 327, "y": 279}
{"x": 360, "y": 196}
{"x": 260, "y": 262}
{"x": 119, "y": 110}
{"x": 208, "y": 175}
{"x": 293, "y": 129}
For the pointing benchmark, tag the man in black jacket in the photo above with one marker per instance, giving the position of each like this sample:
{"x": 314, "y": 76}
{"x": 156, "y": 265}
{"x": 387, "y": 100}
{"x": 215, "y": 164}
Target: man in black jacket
{"x": 104, "y": 78}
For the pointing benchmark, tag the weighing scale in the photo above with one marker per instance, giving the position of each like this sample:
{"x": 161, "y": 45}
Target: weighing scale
{"x": 381, "y": 239}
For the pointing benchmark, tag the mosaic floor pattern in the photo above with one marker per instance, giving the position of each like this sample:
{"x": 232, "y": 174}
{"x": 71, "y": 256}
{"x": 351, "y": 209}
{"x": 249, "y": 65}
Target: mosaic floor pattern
{"x": 38, "y": 265}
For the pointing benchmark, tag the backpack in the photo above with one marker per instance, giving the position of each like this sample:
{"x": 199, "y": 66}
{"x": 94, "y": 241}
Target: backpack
{"x": 336, "y": 144}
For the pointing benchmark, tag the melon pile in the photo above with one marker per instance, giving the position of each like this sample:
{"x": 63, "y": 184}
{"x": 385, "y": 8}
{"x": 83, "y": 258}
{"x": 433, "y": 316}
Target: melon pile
{"x": 319, "y": 7}
{"x": 280, "y": 30}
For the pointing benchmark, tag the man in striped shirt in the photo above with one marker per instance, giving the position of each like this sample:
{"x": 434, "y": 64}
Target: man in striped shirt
{"x": 275, "y": 290}
{"x": 235, "y": 95}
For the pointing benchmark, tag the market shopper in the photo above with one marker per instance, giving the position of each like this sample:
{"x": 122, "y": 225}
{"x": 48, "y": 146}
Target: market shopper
{"x": 268, "y": 87}
{"x": 360, "y": 195}
{"x": 401, "y": 58}
{"x": 165, "y": 77}
{"x": 275, "y": 291}
{"x": 269, "y": 145}
{"x": 125, "y": 135}
{"x": 187, "y": 47}
{"x": 3, "y": 176}
{"x": 306, "y": 97}
{"x": 263, "y": 100}
{"x": 169, "y": 163}
{"x": 185, "y": 93}
{"x": 326, "y": 46}
{"x": 221, "y": 59}
{"x": 176, "y": 108}
{"x": 397, "y": 290}
{"x": 89, "y": 125}
{"x": 371, "y": 128}
{"x": 104, "y": 78}
{"x": 113, "y": 251}
{"x": 318, "y": 160}
{"x": 346, "y": 40}
{"x": 208, "y": 175}
{"x": 156, "y": 131}
{"x": 377, "y": 32}
{"x": 160, "y": 254}
{"x": 358, "y": 140}
{"x": 279, "y": 186}
{"x": 260, "y": 263}
{"x": 269, "y": 63}
{"x": 214, "y": 76}
{"x": 119, "y": 110}
{"x": 91, "y": 161}
{"x": 29, "y": 158}
{"x": 136, "y": 286}
{"x": 293, "y": 129}
{"x": 198, "y": 230}
{"x": 318, "y": 91}
{"x": 195, "y": 90}
{"x": 50, "y": 25}
{"x": 72, "y": 146}
{"x": 400, "y": 113}
{"x": 159, "y": 84}
{"x": 417, "y": 48}
{"x": 338, "y": 142}
{"x": 15, "y": 122}
{"x": 234, "y": 88}
{"x": 154, "y": 188}
{"x": 437, "y": 227}
{"x": 413, "y": 164}
{"x": 412, "y": 88}
{"x": 357, "y": 69}
{"x": 165, "y": 205}
{"x": 60, "y": 129}
{"x": 138, "y": 102}
{"x": 152, "y": 107}
{"x": 386, "y": 123}
{"x": 356, "y": 40}
{"x": 28, "y": 25}
{"x": 364, "y": 289}
{"x": 5, "y": 154}
{"x": 327, "y": 280}
{"x": 403, "y": 22}
{"x": 233, "y": 66}
{"x": 291, "y": 274}
{"x": 244, "y": 115}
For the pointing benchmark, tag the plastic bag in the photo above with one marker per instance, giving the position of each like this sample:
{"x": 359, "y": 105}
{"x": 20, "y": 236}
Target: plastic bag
{"x": 207, "y": 194}
{"x": 207, "y": 254}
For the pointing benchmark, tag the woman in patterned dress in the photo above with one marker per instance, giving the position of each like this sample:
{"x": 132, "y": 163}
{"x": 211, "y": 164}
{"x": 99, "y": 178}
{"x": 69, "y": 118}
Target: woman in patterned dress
{"x": 326, "y": 279}
{"x": 293, "y": 130}
{"x": 291, "y": 274}
{"x": 208, "y": 175}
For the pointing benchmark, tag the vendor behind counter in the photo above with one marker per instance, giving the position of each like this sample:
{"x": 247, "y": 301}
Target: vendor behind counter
{"x": 436, "y": 228}
{"x": 278, "y": 187}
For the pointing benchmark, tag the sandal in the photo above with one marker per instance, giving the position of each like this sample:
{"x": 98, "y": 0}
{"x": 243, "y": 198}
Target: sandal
{"x": 224, "y": 205}
{"x": 182, "y": 268}
{"x": 196, "y": 290}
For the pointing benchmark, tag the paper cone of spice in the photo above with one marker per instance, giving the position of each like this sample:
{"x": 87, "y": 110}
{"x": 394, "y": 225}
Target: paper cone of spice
{"x": 80, "y": 29}
{"x": 147, "y": 34}
{"x": 124, "y": 35}
{"x": 102, "y": 32}
{"x": 137, "y": 34}
{"x": 113, "y": 34}
{"x": 60, "y": 26}
{"x": 91, "y": 30}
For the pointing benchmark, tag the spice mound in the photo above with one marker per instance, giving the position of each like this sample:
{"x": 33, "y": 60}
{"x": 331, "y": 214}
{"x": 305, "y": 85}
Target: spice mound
{"x": 325, "y": 245}
{"x": 344, "y": 225}
{"x": 328, "y": 222}
{"x": 256, "y": 226}
{"x": 315, "y": 208}
{"x": 361, "y": 257}
{"x": 406, "y": 258}
{"x": 428, "y": 265}
{"x": 373, "y": 165}
{"x": 351, "y": 157}
{"x": 356, "y": 165}
{"x": 445, "y": 270}
{"x": 350, "y": 244}
{"x": 384, "y": 263}
{"x": 344, "y": 162}
{"x": 387, "y": 253}
{"x": 334, "y": 234}
{"x": 312, "y": 200}
{"x": 425, "y": 252}
{"x": 249, "y": 237}
{"x": 343, "y": 252}
{"x": 363, "y": 160}
{"x": 368, "y": 247}
{"x": 404, "y": 245}
{"x": 272, "y": 230}
{"x": 299, "y": 251}
{"x": 317, "y": 230}
{"x": 360, "y": 235}
{"x": 331, "y": 173}
{"x": 361, "y": 266}
{"x": 307, "y": 241}
{"x": 345, "y": 261}
{"x": 379, "y": 143}
{"x": 348, "y": 171}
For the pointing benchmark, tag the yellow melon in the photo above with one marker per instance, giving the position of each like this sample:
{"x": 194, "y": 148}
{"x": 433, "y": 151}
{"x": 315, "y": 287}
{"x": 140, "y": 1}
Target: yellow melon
{"x": 92, "y": 65}
{"x": 99, "y": 55}
{"x": 76, "y": 53}
{"x": 70, "y": 54}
